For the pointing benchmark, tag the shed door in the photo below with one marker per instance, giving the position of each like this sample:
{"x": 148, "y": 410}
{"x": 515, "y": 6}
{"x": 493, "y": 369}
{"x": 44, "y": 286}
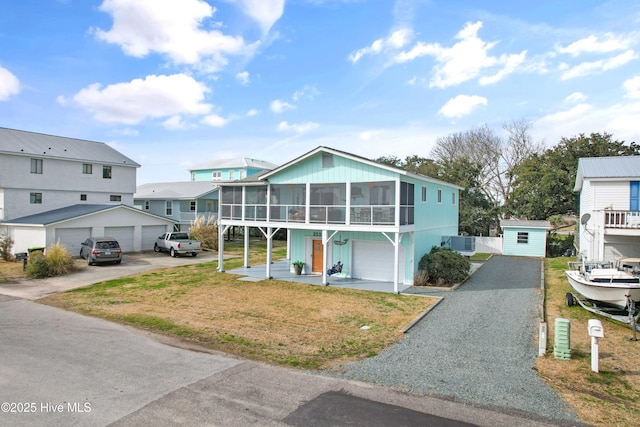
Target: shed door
{"x": 372, "y": 260}
{"x": 72, "y": 238}
{"x": 124, "y": 236}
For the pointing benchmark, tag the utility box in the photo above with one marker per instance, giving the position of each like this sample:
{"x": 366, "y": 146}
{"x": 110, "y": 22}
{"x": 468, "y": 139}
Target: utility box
{"x": 562, "y": 339}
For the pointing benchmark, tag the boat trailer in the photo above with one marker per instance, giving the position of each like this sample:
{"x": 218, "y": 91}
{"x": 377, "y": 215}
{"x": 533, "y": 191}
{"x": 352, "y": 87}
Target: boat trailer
{"x": 629, "y": 315}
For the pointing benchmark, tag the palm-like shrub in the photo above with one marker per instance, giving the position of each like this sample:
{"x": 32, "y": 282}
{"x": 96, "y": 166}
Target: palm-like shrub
{"x": 56, "y": 261}
{"x": 205, "y": 231}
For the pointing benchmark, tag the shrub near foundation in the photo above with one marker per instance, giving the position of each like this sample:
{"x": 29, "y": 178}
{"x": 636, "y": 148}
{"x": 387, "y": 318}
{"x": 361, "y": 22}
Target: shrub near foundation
{"x": 442, "y": 266}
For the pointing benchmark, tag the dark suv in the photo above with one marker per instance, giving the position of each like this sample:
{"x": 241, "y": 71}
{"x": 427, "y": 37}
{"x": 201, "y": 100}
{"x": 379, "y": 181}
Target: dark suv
{"x": 101, "y": 249}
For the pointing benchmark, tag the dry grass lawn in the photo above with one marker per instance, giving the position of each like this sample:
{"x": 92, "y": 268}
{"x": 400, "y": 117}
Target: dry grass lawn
{"x": 280, "y": 322}
{"x": 610, "y": 397}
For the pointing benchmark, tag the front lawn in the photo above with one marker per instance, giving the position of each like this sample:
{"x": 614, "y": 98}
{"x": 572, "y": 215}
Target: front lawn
{"x": 285, "y": 323}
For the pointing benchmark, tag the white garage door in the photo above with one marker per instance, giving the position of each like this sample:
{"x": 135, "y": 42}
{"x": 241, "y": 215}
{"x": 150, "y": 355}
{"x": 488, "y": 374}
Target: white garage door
{"x": 124, "y": 236}
{"x": 373, "y": 260}
{"x": 71, "y": 238}
{"x": 149, "y": 235}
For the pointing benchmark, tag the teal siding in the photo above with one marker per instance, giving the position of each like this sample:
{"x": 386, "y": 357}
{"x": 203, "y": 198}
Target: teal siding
{"x": 207, "y": 174}
{"x": 535, "y": 247}
{"x": 343, "y": 170}
{"x": 343, "y": 253}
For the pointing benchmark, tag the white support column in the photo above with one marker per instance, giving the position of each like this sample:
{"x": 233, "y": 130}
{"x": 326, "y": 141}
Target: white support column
{"x": 221, "y": 231}
{"x": 268, "y": 213}
{"x": 269, "y": 255}
{"x": 347, "y": 209}
{"x": 396, "y": 268}
{"x": 307, "y": 203}
{"x": 246, "y": 247}
{"x": 289, "y": 244}
{"x": 396, "y": 216}
{"x": 325, "y": 242}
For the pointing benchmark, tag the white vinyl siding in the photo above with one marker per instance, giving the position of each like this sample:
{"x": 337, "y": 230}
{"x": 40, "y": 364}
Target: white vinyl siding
{"x": 124, "y": 236}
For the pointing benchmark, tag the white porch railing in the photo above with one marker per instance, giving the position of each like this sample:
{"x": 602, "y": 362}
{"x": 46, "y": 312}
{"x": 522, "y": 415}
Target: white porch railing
{"x": 622, "y": 219}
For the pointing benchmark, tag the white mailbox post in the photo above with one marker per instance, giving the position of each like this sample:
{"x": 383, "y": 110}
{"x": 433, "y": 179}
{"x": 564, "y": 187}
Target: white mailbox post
{"x": 595, "y": 332}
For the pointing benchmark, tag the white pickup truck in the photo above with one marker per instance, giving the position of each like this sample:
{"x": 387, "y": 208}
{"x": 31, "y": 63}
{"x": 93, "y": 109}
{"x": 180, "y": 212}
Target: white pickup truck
{"x": 177, "y": 244}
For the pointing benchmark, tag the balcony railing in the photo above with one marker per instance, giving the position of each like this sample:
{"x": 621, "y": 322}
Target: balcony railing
{"x": 318, "y": 214}
{"x": 622, "y": 219}
{"x": 191, "y": 216}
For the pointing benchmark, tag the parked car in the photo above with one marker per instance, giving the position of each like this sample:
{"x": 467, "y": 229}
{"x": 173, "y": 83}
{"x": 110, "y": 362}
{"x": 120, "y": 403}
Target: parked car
{"x": 177, "y": 244}
{"x": 97, "y": 250}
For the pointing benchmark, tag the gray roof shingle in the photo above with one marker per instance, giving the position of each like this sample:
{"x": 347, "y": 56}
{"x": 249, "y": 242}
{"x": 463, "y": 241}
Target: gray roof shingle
{"x": 21, "y": 142}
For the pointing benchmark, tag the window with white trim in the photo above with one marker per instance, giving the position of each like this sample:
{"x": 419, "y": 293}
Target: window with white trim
{"x": 424, "y": 194}
{"x": 216, "y": 175}
{"x": 523, "y": 237}
{"x": 169, "y": 208}
{"x": 439, "y": 196}
{"x": 35, "y": 198}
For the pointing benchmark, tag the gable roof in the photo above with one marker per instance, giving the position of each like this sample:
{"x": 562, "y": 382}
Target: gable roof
{"x": 239, "y": 162}
{"x": 516, "y": 223}
{"x": 23, "y": 143}
{"x": 606, "y": 168}
{"x": 174, "y": 190}
{"x": 72, "y": 212}
{"x": 357, "y": 159}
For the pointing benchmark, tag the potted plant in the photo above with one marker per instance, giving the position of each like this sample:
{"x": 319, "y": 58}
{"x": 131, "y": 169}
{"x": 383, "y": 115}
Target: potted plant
{"x": 298, "y": 266}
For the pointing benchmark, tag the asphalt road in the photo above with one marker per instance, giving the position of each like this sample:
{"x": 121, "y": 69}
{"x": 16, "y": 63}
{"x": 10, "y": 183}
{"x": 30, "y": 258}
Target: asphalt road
{"x": 59, "y": 368}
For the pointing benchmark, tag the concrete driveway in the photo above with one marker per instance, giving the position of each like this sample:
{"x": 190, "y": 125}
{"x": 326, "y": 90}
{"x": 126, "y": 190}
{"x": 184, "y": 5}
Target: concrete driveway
{"x": 133, "y": 263}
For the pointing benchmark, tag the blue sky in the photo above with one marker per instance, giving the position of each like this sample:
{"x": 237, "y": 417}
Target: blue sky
{"x": 175, "y": 83}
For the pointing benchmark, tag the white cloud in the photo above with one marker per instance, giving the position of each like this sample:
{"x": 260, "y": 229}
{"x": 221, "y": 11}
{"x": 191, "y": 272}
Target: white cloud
{"x": 252, "y": 112}
{"x": 243, "y": 77}
{"x": 175, "y": 123}
{"x": 620, "y": 119}
{"x": 264, "y": 12}
{"x": 462, "y": 105}
{"x": 9, "y": 84}
{"x": 575, "y": 98}
{"x": 396, "y": 40}
{"x": 592, "y": 44}
{"x": 511, "y": 64}
{"x": 278, "y": 106}
{"x": 464, "y": 60}
{"x": 594, "y": 67}
{"x": 369, "y": 135}
{"x": 297, "y": 127}
{"x": 214, "y": 120}
{"x": 632, "y": 86}
{"x": 308, "y": 92}
{"x": 151, "y": 97}
{"x": 171, "y": 28}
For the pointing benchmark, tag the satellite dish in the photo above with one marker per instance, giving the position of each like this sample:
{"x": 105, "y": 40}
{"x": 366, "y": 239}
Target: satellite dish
{"x": 585, "y": 218}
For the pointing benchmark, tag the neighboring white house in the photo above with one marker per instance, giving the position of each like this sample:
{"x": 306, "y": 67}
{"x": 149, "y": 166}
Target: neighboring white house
{"x": 54, "y": 188}
{"x": 41, "y": 172}
{"x": 609, "y": 207}
{"x": 180, "y": 201}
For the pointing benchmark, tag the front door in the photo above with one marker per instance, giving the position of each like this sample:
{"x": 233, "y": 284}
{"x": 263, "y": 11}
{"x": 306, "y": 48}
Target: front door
{"x": 316, "y": 259}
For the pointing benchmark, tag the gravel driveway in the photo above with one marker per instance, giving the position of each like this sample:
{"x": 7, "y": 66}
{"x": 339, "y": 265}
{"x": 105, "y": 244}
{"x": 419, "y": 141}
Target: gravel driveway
{"x": 478, "y": 345}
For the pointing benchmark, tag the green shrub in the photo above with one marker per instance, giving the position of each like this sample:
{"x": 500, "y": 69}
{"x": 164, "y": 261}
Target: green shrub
{"x": 559, "y": 245}
{"x": 6, "y": 243}
{"x": 443, "y": 266}
{"x": 205, "y": 231}
{"x": 37, "y": 267}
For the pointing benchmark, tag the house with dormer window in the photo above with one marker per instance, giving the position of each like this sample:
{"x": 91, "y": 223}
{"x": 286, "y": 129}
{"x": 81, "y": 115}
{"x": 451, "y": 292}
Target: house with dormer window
{"x": 375, "y": 219}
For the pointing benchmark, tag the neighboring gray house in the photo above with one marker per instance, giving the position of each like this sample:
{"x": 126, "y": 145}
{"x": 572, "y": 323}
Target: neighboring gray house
{"x": 524, "y": 238}
{"x": 54, "y": 188}
{"x": 609, "y": 190}
{"x": 180, "y": 201}
{"x": 229, "y": 169}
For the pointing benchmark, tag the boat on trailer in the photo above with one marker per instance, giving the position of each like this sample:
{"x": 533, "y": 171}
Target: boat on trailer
{"x": 610, "y": 291}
